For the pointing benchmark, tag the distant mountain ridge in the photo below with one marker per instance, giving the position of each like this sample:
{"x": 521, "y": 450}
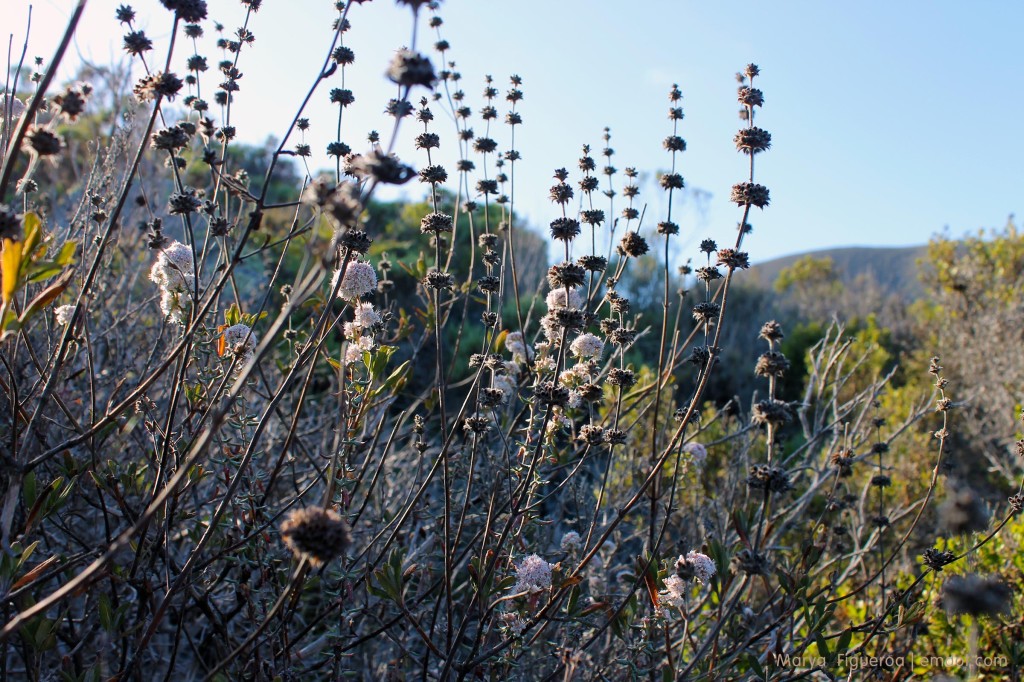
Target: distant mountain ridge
{"x": 894, "y": 269}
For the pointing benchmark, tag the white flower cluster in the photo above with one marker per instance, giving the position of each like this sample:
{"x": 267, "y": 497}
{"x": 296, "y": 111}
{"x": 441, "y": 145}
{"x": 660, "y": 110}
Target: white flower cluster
{"x": 701, "y": 565}
{"x": 587, "y": 346}
{"x": 360, "y": 279}
{"x": 63, "y": 314}
{"x": 533, "y": 575}
{"x": 673, "y": 594}
{"x": 556, "y": 298}
{"x": 174, "y": 274}
{"x": 359, "y": 332}
{"x": 516, "y": 345}
{"x": 240, "y": 339}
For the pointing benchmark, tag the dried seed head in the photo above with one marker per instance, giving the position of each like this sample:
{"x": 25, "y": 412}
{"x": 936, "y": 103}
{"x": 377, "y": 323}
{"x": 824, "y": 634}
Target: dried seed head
{"x": 769, "y": 479}
{"x": 385, "y": 168}
{"x": 749, "y": 193}
{"x": 633, "y": 245}
{"x": 593, "y": 263}
{"x": 750, "y": 97}
{"x": 356, "y": 241}
{"x": 188, "y": 11}
{"x": 706, "y": 312}
{"x": 963, "y": 511}
{"x": 410, "y": 68}
{"x": 842, "y": 459}
{"x": 976, "y": 596}
{"x": 438, "y": 280}
{"x": 625, "y": 378}
{"x": 564, "y": 229}
{"x": 733, "y": 259}
{"x": 771, "y": 364}
{"x": 566, "y": 274}
{"x": 436, "y": 223}
{"x": 936, "y": 559}
{"x": 671, "y": 181}
{"x": 316, "y": 533}
{"x": 771, "y": 332}
{"x": 551, "y": 393}
{"x": 591, "y": 434}
{"x": 752, "y": 140}
{"x": 157, "y": 84}
{"x": 773, "y": 412}
{"x": 749, "y": 562}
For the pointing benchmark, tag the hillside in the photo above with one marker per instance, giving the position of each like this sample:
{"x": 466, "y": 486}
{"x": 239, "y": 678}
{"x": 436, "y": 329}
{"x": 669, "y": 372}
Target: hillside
{"x": 894, "y": 269}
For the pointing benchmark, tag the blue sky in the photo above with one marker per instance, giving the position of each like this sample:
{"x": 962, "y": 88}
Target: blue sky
{"x": 890, "y": 121}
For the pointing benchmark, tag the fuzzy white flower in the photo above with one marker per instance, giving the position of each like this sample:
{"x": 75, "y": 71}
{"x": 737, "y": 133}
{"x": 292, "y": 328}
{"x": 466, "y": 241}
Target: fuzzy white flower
{"x": 587, "y": 346}
{"x": 545, "y": 364}
{"x": 700, "y": 566}
{"x": 360, "y": 279}
{"x": 533, "y": 575}
{"x": 175, "y": 299}
{"x": 353, "y": 354}
{"x": 556, "y": 298}
{"x": 240, "y": 339}
{"x": 356, "y": 347}
{"x": 575, "y": 375}
{"x": 674, "y": 592}
{"x": 571, "y": 541}
{"x": 575, "y": 399}
{"x": 698, "y": 453}
{"x": 63, "y": 314}
{"x": 366, "y": 316}
{"x": 516, "y": 345}
{"x": 173, "y": 267}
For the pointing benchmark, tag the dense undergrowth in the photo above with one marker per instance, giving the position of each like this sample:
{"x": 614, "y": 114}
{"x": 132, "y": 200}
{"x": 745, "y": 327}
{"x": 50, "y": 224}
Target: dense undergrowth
{"x": 289, "y": 430}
